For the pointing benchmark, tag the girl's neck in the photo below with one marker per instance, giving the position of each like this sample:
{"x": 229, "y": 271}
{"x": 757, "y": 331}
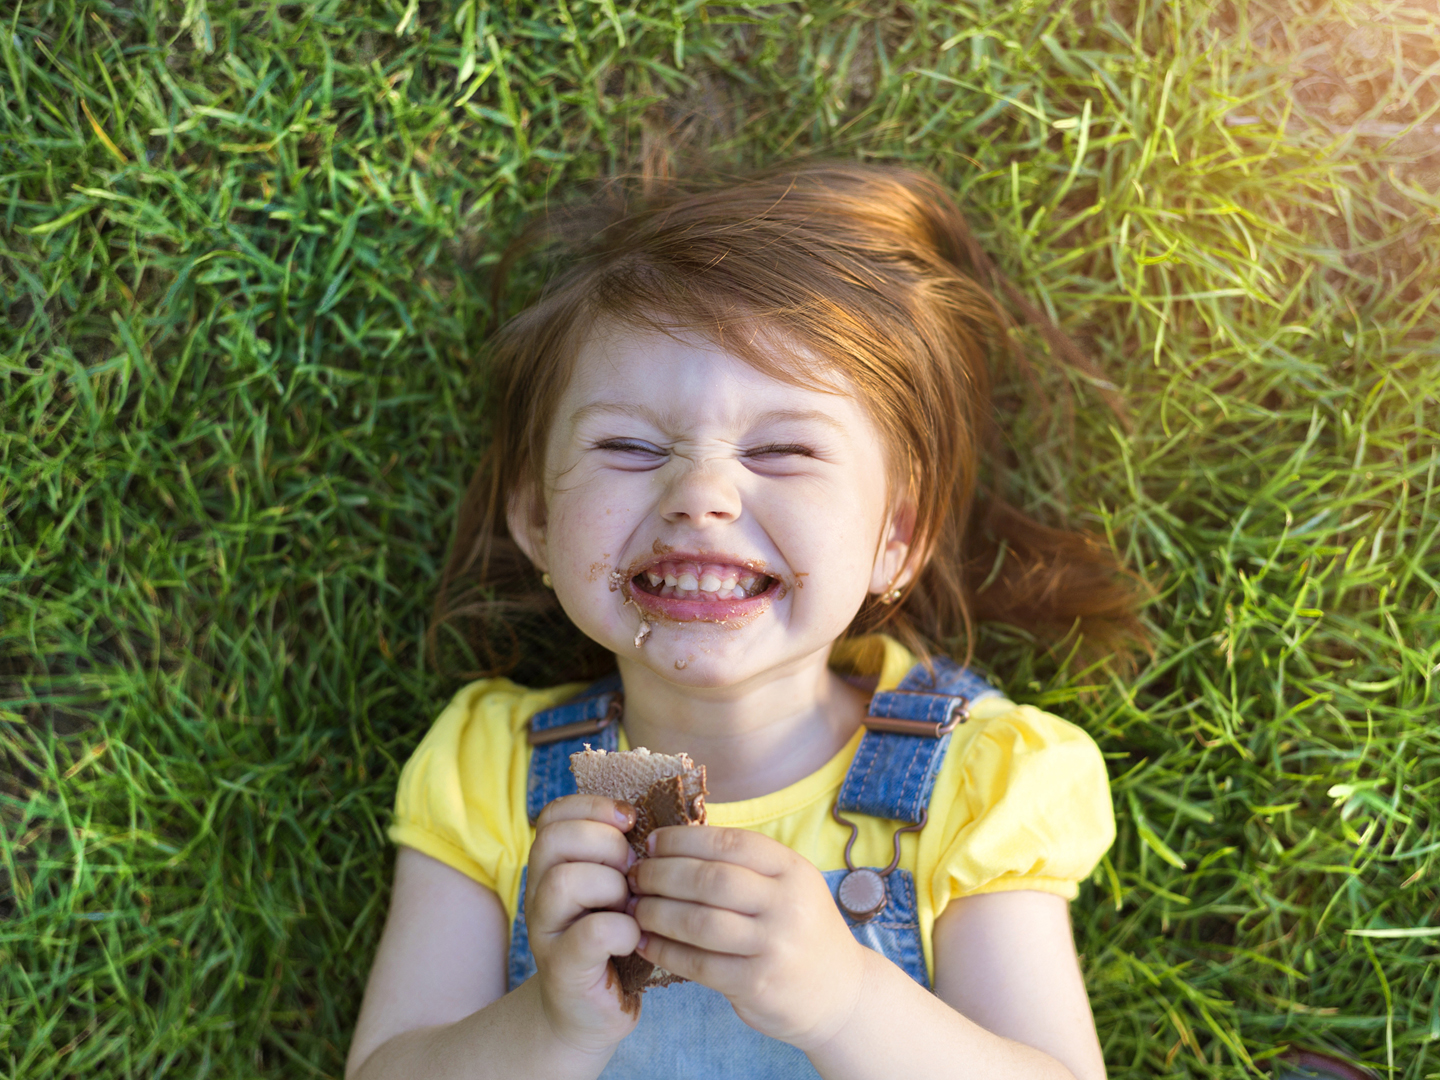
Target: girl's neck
{"x": 752, "y": 739}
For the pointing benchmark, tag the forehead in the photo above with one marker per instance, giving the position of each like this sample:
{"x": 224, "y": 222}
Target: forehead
{"x": 661, "y": 363}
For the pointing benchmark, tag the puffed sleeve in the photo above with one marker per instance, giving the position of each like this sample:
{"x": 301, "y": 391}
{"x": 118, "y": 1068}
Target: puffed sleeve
{"x": 1026, "y": 802}
{"x": 461, "y": 797}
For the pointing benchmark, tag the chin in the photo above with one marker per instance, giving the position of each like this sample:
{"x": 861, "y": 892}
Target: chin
{"x": 697, "y": 672}
{"x": 701, "y": 664}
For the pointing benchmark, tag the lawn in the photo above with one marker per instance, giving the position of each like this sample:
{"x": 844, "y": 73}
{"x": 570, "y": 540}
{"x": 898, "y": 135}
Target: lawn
{"x": 244, "y": 265}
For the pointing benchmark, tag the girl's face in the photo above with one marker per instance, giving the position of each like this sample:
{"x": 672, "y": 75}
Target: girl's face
{"x": 741, "y": 519}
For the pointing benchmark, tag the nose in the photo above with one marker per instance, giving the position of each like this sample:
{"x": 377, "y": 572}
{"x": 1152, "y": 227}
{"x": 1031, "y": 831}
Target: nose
{"x": 700, "y": 493}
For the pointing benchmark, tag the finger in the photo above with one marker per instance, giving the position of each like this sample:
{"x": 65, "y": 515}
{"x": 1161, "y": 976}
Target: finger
{"x": 579, "y": 841}
{"x": 739, "y": 846}
{"x": 719, "y": 971}
{"x": 592, "y": 941}
{"x": 572, "y": 890}
{"x": 719, "y": 884}
{"x": 588, "y": 807}
{"x": 712, "y": 929}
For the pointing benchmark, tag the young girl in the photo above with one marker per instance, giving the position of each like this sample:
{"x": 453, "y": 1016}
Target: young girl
{"x": 735, "y": 439}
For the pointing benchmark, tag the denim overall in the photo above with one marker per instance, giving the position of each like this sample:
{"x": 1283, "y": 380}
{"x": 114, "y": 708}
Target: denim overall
{"x": 688, "y": 1031}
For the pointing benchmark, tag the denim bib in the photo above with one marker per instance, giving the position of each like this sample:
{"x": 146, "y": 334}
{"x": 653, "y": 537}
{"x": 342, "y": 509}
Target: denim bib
{"x": 688, "y": 1031}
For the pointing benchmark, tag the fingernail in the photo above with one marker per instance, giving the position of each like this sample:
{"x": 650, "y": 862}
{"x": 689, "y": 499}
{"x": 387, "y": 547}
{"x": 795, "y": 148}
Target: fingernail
{"x": 644, "y": 941}
{"x": 650, "y": 843}
{"x": 631, "y": 877}
{"x": 631, "y": 905}
{"x": 630, "y": 858}
{"x": 624, "y": 814}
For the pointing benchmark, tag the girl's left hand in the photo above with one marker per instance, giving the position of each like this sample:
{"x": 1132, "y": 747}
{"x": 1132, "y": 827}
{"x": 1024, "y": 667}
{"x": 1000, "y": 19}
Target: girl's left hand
{"x": 745, "y": 915}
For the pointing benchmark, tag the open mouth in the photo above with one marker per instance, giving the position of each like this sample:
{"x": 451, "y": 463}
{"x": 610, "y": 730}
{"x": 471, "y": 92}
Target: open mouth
{"x": 702, "y": 582}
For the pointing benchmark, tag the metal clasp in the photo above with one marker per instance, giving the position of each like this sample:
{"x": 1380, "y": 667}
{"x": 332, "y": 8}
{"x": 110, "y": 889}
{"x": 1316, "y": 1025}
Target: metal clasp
{"x": 862, "y": 892}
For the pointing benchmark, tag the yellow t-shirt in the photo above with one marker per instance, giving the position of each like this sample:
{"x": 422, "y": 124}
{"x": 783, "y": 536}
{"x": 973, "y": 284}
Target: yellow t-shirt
{"x": 1022, "y": 800}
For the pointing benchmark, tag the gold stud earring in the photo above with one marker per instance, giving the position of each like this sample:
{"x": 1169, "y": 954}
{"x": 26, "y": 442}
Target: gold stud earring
{"x": 890, "y": 597}
{"x": 545, "y": 580}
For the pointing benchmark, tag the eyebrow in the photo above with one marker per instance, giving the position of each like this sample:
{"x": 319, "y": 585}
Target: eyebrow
{"x": 644, "y": 412}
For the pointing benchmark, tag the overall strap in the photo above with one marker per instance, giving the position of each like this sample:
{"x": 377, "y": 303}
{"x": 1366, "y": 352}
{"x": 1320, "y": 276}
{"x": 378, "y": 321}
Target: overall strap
{"x": 592, "y": 717}
{"x": 907, "y": 733}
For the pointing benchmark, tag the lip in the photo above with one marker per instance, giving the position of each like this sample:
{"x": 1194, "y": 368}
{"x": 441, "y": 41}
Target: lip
{"x": 713, "y": 611}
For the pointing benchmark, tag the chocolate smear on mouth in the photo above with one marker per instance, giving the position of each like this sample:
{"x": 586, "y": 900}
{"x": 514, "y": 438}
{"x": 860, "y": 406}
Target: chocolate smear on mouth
{"x": 642, "y": 632}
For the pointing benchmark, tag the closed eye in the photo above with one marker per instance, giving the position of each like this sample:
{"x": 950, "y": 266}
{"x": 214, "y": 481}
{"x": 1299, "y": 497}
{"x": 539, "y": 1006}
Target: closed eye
{"x": 634, "y": 447}
{"x": 780, "y": 450}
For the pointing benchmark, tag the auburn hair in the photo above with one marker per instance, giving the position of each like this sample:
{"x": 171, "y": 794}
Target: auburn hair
{"x": 805, "y": 272}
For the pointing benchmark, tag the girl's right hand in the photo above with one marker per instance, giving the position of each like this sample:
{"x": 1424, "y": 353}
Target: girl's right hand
{"x": 575, "y": 910}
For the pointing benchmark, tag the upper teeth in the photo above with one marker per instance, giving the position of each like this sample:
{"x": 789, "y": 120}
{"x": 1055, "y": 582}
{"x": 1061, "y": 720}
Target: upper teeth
{"x": 705, "y": 581}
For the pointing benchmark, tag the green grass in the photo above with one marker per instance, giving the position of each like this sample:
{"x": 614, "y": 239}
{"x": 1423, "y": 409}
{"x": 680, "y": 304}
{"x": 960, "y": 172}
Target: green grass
{"x": 244, "y": 263}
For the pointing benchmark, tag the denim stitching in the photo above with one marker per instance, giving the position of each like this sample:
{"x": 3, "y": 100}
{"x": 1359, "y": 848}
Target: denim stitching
{"x": 914, "y": 778}
{"x": 866, "y": 756}
{"x": 871, "y": 759}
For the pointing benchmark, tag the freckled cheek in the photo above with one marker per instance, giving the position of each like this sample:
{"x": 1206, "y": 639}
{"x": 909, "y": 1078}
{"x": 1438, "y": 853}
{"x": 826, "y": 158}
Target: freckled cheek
{"x": 834, "y": 546}
{"x": 584, "y": 533}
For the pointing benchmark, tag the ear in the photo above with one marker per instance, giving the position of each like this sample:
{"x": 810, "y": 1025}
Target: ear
{"x": 895, "y": 566}
{"x": 526, "y": 519}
